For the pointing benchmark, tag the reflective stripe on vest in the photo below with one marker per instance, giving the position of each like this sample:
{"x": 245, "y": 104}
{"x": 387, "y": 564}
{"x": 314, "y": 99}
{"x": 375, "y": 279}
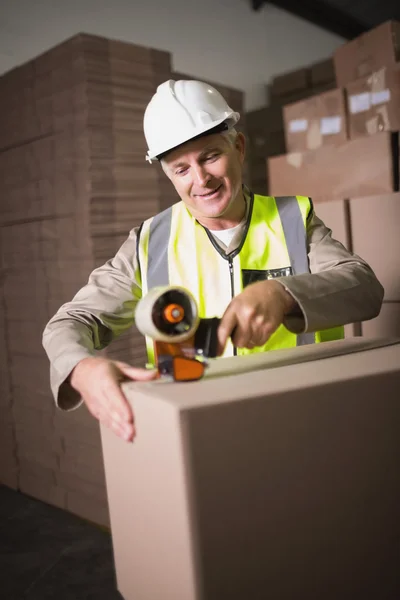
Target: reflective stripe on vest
{"x": 174, "y": 249}
{"x": 293, "y": 224}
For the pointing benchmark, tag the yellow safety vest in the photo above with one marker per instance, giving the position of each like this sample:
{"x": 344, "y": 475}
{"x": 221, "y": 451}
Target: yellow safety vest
{"x": 174, "y": 249}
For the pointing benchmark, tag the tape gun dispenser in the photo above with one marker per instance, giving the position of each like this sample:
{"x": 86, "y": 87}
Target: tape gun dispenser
{"x": 182, "y": 340}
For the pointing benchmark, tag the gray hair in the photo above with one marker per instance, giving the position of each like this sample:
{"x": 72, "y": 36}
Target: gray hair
{"x": 231, "y": 134}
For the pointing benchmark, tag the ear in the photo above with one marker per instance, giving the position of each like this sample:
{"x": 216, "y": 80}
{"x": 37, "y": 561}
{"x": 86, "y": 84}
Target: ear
{"x": 240, "y": 145}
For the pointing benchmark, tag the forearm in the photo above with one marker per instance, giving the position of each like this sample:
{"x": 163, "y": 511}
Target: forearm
{"x": 100, "y": 312}
{"x": 340, "y": 289}
{"x": 66, "y": 342}
{"x": 348, "y": 293}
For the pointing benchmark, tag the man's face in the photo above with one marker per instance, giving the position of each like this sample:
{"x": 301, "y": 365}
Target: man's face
{"x": 207, "y": 174}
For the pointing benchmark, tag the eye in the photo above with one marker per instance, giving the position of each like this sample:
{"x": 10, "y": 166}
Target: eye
{"x": 213, "y": 156}
{"x": 181, "y": 171}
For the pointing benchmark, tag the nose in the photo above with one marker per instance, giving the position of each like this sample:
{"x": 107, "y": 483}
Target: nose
{"x": 201, "y": 176}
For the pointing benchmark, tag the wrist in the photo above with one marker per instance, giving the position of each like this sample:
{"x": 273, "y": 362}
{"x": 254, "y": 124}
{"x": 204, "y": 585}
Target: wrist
{"x": 289, "y": 302}
{"x": 76, "y": 372}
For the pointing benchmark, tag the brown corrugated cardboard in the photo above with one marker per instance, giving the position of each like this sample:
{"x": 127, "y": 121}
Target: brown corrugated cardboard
{"x": 375, "y": 234}
{"x": 72, "y": 482}
{"x": 34, "y": 469}
{"x": 265, "y": 120}
{"x": 88, "y": 507}
{"x": 38, "y": 418}
{"x": 291, "y": 81}
{"x": 8, "y": 473}
{"x": 316, "y": 121}
{"x": 7, "y": 432}
{"x": 265, "y": 137}
{"x": 73, "y": 182}
{"x": 262, "y": 144}
{"x": 238, "y": 480}
{"x": 352, "y": 330}
{"x": 88, "y": 468}
{"x": 322, "y": 72}
{"x": 8, "y": 450}
{"x": 374, "y": 103}
{"x": 297, "y": 95}
{"x": 335, "y": 215}
{"x": 386, "y": 324}
{"x": 43, "y": 490}
{"x": 360, "y": 167}
{"x": 38, "y": 456}
{"x": 34, "y": 439}
{"x": 379, "y": 47}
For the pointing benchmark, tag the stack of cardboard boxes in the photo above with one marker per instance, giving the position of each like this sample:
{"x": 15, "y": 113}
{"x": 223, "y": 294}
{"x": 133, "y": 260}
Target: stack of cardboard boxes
{"x": 74, "y": 181}
{"x": 265, "y": 126}
{"x": 342, "y": 149}
{"x": 8, "y": 447}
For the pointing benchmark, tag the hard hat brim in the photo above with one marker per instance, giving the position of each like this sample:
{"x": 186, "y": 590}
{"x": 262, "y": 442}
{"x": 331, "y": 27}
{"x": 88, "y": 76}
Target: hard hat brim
{"x": 223, "y": 124}
{"x": 215, "y": 129}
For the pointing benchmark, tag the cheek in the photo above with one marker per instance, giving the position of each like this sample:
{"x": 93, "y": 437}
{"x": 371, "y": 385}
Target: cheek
{"x": 234, "y": 172}
{"x": 181, "y": 185}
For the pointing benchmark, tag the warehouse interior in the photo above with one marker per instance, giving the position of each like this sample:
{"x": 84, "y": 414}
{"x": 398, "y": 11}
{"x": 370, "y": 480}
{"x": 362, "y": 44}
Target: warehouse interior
{"x": 317, "y": 84}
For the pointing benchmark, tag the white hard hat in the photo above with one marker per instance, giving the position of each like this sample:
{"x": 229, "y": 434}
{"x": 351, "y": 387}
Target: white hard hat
{"x": 180, "y": 111}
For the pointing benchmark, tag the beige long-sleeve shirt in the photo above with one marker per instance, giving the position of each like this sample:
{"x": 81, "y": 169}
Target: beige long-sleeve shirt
{"x": 340, "y": 289}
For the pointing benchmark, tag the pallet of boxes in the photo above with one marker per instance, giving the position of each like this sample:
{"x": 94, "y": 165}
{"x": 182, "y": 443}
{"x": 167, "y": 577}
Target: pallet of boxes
{"x": 265, "y": 126}
{"x": 74, "y": 181}
{"x": 343, "y": 152}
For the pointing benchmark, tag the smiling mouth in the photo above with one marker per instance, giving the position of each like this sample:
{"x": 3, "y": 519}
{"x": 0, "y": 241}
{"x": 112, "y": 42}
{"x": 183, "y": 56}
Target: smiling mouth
{"x": 210, "y": 194}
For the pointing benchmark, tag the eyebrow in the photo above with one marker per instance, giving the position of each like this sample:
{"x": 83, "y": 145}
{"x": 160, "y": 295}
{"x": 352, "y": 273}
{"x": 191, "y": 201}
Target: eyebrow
{"x": 203, "y": 153}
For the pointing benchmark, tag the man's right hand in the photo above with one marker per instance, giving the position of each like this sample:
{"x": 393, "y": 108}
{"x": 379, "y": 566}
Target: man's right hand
{"x": 98, "y": 381}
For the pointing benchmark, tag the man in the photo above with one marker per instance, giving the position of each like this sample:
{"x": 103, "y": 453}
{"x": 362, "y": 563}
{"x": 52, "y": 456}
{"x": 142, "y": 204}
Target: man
{"x": 269, "y": 268}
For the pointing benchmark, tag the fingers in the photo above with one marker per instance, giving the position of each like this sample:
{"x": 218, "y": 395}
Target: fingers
{"x": 137, "y": 374}
{"x": 247, "y": 328}
{"x": 99, "y": 384}
{"x": 115, "y": 403}
{"x": 111, "y": 408}
{"x": 227, "y": 327}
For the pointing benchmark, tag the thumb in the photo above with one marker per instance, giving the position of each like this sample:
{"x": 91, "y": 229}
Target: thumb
{"x": 137, "y": 373}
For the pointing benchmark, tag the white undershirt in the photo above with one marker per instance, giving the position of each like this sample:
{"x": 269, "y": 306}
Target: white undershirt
{"x": 226, "y": 235}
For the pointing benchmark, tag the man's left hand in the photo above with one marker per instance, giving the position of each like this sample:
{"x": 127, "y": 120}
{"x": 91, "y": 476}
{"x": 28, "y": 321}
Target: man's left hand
{"x": 254, "y": 314}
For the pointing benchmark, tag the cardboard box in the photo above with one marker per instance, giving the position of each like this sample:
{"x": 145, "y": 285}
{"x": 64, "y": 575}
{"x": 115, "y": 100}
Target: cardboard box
{"x": 374, "y": 103}
{"x": 386, "y": 324}
{"x": 75, "y": 483}
{"x": 73, "y": 182}
{"x": 266, "y": 119}
{"x": 316, "y": 121}
{"x": 262, "y": 144}
{"x": 272, "y": 477}
{"x": 298, "y": 95}
{"x": 89, "y": 508}
{"x": 291, "y": 81}
{"x": 336, "y": 216}
{"x": 322, "y": 72}
{"x": 379, "y": 47}
{"x": 375, "y": 237}
{"x": 8, "y": 473}
{"x": 362, "y": 167}
{"x": 352, "y": 330}
{"x": 42, "y": 490}
{"x": 8, "y": 450}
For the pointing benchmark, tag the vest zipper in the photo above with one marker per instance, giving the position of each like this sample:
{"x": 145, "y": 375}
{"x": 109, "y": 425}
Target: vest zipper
{"x": 230, "y": 262}
{"x": 235, "y": 252}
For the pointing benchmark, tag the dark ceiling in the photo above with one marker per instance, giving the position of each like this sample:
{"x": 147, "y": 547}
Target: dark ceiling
{"x": 347, "y": 18}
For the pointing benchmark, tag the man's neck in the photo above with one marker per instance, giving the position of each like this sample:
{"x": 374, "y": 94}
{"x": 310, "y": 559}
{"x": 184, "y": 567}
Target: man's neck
{"x": 219, "y": 223}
